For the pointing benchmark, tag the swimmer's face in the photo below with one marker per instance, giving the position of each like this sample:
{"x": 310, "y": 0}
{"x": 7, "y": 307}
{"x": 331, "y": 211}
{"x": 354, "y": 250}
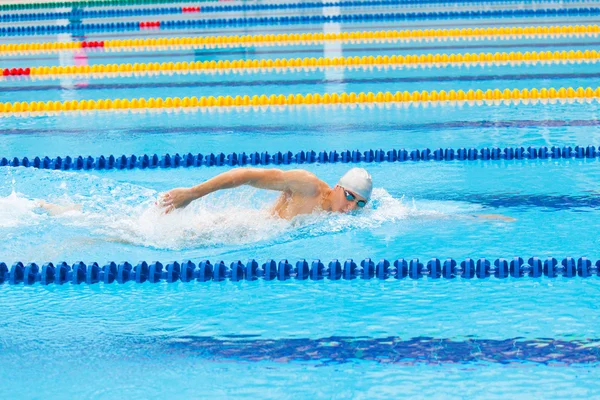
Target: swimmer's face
{"x": 342, "y": 200}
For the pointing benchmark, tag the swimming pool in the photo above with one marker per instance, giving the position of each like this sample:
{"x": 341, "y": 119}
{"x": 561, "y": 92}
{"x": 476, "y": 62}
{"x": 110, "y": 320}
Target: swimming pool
{"x": 496, "y": 337}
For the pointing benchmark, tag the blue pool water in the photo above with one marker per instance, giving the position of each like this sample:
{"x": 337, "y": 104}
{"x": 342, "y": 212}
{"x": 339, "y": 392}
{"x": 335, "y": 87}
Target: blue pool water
{"x": 512, "y": 338}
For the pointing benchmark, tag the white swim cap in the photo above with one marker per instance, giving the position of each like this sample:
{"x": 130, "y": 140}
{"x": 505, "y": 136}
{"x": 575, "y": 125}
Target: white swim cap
{"x": 358, "y": 181}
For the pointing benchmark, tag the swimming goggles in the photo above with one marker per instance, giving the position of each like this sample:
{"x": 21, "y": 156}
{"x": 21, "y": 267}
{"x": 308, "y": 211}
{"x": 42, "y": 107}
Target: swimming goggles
{"x": 351, "y": 197}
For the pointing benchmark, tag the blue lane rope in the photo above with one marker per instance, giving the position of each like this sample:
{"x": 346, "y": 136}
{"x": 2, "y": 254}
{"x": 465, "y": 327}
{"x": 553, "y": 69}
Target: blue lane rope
{"x": 303, "y": 157}
{"x": 130, "y": 3}
{"x": 77, "y": 27}
{"x": 80, "y": 13}
{"x": 187, "y": 271}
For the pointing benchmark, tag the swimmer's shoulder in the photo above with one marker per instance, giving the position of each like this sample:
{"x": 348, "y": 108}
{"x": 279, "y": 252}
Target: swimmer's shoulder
{"x": 309, "y": 178}
{"x": 304, "y": 175}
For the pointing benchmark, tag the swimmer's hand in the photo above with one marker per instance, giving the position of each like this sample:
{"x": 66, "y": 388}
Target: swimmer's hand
{"x": 176, "y": 198}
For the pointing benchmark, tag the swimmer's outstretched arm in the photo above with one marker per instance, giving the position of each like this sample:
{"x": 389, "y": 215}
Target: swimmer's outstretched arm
{"x": 293, "y": 181}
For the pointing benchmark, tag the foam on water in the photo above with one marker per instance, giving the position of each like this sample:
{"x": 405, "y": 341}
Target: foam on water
{"x": 15, "y": 210}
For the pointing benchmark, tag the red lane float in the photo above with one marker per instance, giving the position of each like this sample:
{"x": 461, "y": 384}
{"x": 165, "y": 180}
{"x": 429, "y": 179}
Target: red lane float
{"x": 15, "y": 71}
{"x": 86, "y": 45}
{"x": 150, "y": 24}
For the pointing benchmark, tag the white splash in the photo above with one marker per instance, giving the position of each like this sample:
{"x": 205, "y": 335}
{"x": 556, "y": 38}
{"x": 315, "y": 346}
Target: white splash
{"x": 16, "y": 210}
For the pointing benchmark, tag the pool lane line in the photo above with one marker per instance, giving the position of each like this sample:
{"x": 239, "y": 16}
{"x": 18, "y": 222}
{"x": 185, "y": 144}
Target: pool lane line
{"x": 281, "y": 83}
{"x": 79, "y": 4}
{"x": 309, "y": 63}
{"x": 547, "y": 203}
{"x": 275, "y": 102}
{"x": 79, "y": 28}
{"x": 240, "y": 9}
{"x": 382, "y": 126}
{"x": 275, "y": 29}
{"x": 285, "y": 39}
{"x": 154, "y": 161}
{"x": 471, "y": 352}
{"x": 81, "y": 13}
{"x": 185, "y": 55}
{"x": 271, "y": 270}
{"x": 129, "y": 3}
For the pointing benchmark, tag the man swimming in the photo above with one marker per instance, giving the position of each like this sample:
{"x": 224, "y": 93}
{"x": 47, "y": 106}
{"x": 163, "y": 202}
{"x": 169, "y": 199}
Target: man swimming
{"x": 301, "y": 191}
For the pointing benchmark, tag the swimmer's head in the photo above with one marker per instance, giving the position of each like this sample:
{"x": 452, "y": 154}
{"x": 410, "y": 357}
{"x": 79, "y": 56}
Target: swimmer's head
{"x": 353, "y": 190}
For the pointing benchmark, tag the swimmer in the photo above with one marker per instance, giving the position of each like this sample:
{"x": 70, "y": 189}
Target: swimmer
{"x": 301, "y": 191}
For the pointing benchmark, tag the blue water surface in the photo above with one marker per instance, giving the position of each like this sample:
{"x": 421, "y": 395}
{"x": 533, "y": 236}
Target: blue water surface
{"x": 513, "y": 338}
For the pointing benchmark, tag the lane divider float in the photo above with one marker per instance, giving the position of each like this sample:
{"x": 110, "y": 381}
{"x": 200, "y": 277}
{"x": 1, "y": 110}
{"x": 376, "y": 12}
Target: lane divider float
{"x": 316, "y": 270}
{"x": 108, "y": 3}
{"x": 287, "y": 39}
{"x": 206, "y": 103}
{"x": 81, "y": 13}
{"x": 99, "y": 3}
{"x": 79, "y": 28}
{"x": 292, "y": 64}
{"x": 264, "y": 158}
